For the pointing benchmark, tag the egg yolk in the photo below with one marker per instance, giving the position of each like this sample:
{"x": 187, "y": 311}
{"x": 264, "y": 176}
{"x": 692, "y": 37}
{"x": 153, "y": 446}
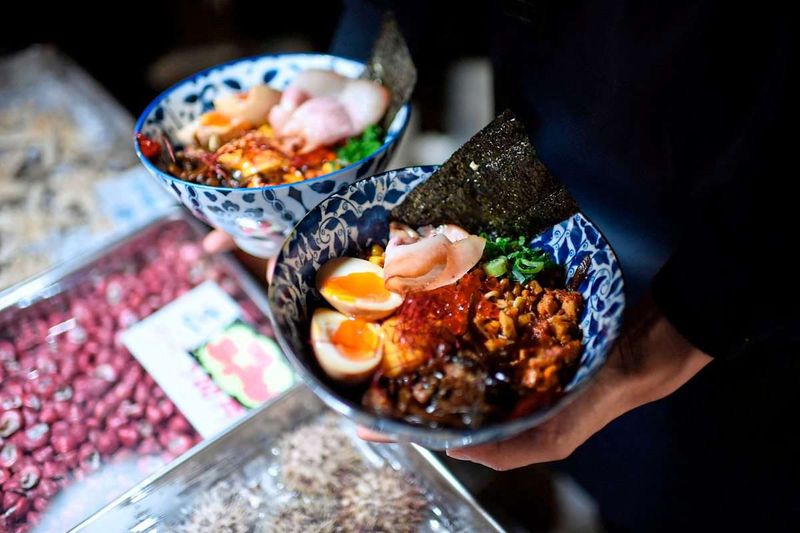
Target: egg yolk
{"x": 357, "y": 286}
{"x": 356, "y": 339}
{"x": 214, "y": 118}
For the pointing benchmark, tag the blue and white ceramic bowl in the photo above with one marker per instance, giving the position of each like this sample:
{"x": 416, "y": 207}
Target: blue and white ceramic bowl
{"x": 352, "y": 220}
{"x": 257, "y": 218}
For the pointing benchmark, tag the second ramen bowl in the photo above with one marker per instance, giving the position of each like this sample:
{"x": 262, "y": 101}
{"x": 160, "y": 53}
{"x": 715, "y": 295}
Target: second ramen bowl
{"x": 258, "y": 218}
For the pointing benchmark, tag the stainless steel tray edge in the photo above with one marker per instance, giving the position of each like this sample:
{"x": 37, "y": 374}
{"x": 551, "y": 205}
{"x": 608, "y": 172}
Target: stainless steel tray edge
{"x": 137, "y": 492}
{"x": 134, "y": 500}
{"x": 46, "y": 283}
{"x": 456, "y": 485}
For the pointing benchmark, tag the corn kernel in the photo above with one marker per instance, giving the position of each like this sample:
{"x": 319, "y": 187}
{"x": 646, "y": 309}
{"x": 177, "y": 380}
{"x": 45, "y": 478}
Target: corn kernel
{"x": 494, "y": 345}
{"x": 292, "y": 177}
{"x": 525, "y": 319}
{"x": 507, "y": 326}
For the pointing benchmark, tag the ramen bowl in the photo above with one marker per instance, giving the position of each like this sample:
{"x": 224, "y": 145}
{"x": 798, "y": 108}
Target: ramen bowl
{"x": 350, "y": 221}
{"x": 257, "y": 218}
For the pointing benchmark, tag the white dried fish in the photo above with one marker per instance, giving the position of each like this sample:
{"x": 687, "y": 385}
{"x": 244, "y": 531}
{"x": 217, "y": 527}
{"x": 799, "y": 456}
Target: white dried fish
{"x": 318, "y": 458}
{"x": 48, "y": 170}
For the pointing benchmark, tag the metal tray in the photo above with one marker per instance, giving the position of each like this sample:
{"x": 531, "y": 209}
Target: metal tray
{"x": 69, "y": 181}
{"x": 47, "y": 291}
{"x": 70, "y": 272}
{"x": 156, "y": 502}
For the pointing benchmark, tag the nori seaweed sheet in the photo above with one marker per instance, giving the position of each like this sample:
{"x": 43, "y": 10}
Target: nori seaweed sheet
{"x": 493, "y": 183}
{"x": 392, "y": 66}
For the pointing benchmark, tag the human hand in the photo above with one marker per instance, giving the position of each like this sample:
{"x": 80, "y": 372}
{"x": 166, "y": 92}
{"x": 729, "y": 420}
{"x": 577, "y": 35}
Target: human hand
{"x": 650, "y": 361}
{"x": 218, "y": 242}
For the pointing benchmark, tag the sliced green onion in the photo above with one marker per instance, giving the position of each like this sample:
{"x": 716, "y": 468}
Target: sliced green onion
{"x": 528, "y": 267}
{"x": 496, "y": 267}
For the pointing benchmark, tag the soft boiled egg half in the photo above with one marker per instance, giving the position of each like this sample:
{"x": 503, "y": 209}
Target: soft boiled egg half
{"x": 348, "y": 349}
{"x": 356, "y": 288}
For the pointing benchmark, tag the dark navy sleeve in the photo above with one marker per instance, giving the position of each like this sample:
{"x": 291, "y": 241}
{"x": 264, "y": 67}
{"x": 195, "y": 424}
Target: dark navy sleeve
{"x": 358, "y": 27}
{"x": 732, "y": 281}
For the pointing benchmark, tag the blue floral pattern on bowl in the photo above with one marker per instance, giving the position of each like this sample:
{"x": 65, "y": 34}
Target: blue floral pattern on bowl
{"x": 258, "y": 218}
{"x": 349, "y": 222}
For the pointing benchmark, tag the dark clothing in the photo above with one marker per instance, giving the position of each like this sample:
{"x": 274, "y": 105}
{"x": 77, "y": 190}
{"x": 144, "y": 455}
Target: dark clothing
{"x": 665, "y": 120}
{"x": 670, "y": 118}
{"x": 671, "y": 124}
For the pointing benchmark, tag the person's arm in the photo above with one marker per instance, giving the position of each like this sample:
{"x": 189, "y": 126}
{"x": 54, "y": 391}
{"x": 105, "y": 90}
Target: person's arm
{"x": 650, "y": 361}
{"x": 357, "y": 28}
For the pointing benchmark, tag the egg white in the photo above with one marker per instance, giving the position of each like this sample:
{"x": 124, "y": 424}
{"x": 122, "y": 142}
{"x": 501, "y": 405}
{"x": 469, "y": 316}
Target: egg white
{"x": 359, "y": 307}
{"x": 324, "y": 323}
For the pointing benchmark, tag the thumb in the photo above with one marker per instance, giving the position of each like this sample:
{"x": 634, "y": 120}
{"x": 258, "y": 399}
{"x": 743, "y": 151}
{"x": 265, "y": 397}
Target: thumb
{"x": 217, "y": 242}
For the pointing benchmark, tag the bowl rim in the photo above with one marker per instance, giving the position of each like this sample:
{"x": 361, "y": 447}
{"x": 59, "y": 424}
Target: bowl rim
{"x": 140, "y": 123}
{"x": 441, "y": 437}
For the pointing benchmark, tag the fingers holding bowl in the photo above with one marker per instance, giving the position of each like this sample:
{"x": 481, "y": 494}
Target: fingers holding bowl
{"x": 217, "y": 242}
{"x": 373, "y": 436}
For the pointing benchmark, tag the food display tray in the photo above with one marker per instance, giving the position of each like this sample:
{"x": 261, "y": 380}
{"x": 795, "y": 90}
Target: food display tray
{"x": 76, "y": 429}
{"x": 155, "y": 504}
{"x": 69, "y": 180}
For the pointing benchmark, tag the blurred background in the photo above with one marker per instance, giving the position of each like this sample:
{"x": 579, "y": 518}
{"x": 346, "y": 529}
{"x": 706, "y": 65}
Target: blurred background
{"x": 136, "y": 53}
